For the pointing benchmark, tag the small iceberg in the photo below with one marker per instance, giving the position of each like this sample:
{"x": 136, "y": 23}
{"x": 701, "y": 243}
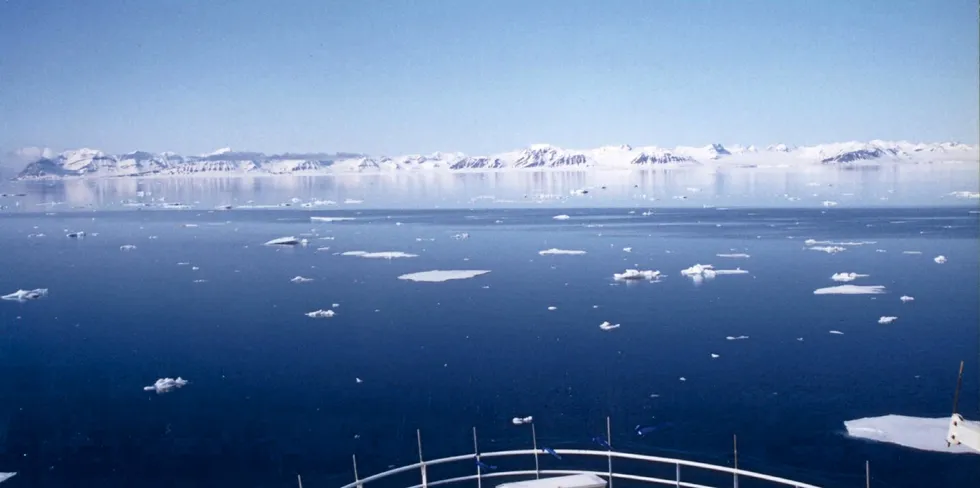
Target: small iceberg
{"x": 127, "y": 247}
{"x": 828, "y": 249}
{"x": 846, "y": 277}
{"x": 733, "y": 255}
{"x": 715, "y": 356}
{"x": 635, "y": 274}
{"x": 301, "y": 279}
{"x": 561, "y": 217}
{"x": 836, "y": 332}
{"x": 25, "y": 295}
{"x": 700, "y": 272}
{"x": 330, "y": 219}
{"x": 627, "y": 249}
{"x": 560, "y": 252}
{"x": 522, "y": 420}
{"x": 321, "y": 314}
{"x": 939, "y": 259}
{"x": 286, "y": 241}
{"x": 607, "y": 326}
{"x": 164, "y": 385}
{"x": 912, "y": 252}
{"x": 736, "y": 338}
{"x": 886, "y": 320}
{"x": 552, "y": 308}
{"x": 924, "y": 434}
{"x": 438, "y": 276}
{"x": 850, "y": 290}
{"x": 906, "y": 298}
{"x": 379, "y": 255}
{"x": 75, "y": 235}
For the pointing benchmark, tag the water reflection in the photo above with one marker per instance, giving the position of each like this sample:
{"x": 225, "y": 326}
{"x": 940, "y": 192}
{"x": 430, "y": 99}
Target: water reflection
{"x": 809, "y": 186}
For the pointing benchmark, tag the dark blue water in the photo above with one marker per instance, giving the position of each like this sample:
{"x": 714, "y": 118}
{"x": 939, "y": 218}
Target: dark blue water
{"x": 273, "y": 393}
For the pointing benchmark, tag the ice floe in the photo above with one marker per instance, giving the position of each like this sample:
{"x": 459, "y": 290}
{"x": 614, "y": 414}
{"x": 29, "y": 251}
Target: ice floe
{"x": 608, "y": 326}
{"x": 635, "y": 274}
{"x": 75, "y": 235}
{"x": 25, "y": 295}
{"x": 522, "y": 420}
{"x": 321, "y": 314}
{"x": 836, "y": 332}
{"x": 301, "y": 279}
{"x": 380, "y": 255}
{"x": 331, "y": 219}
{"x": 6, "y": 476}
{"x": 627, "y": 249}
{"x": 912, "y": 252}
{"x": 846, "y": 277}
{"x": 700, "y": 272}
{"x": 886, "y": 319}
{"x": 828, "y": 249}
{"x": 127, "y": 247}
{"x": 351, "y": 201}
{"x": 829, "y": 203}
{"x": 286, "y": 241}
{"x": 736, "y": 338}
{"x": 552, "y": 308}
{"x": 715, "y": 356}
{"x": 965, "y": 194}
{"x": 560, "y": 252}
{"x": 163, "y": 385}
{"x": 906, "y": 298}
{"x": 561, "y": 217}
{"x": 939, "y": 259}
{"x": 851, "y": 290}
{"x": 438, "y": 276}
{"x": 733, "y": 255}
{"x": 925, "y": 434}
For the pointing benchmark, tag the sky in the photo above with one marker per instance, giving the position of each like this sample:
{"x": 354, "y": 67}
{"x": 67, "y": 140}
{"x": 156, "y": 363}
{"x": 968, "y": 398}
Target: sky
{"x": 482, "y": 76}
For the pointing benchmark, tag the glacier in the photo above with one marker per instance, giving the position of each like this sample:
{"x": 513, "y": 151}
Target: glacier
{"x": 92, "y": 163}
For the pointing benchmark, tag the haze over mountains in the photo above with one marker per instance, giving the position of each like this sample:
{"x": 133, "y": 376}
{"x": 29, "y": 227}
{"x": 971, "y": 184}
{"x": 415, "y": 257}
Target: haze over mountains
{"x": 91, "y": 163}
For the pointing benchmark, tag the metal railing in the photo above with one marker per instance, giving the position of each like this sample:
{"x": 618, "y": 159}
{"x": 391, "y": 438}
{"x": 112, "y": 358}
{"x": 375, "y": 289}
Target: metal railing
{"x": 610, "y": 475}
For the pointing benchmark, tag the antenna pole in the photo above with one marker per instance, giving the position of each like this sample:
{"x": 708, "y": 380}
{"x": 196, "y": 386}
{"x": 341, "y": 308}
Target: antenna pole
{"x": 735, "y": 448}
{"x": 476, "y": 451}
{"x": 867, "y": 474}
{"x": 356, "y": 478}
{"x": 959, "y": 383}
{"x": 609, "y": 441}
{"x": 299, "y": 480}
{"x": 425, "y": 477}
{"x": 534, "y": 440}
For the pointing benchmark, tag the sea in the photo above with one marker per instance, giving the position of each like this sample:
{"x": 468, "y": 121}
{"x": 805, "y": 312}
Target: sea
{"x": 404, "y": 369}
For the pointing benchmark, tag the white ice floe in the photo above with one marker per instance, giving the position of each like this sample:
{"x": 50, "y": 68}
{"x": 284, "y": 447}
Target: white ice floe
{"x": 700, "y": 272}
{"x": 6, "y": 476}
{"x": 828, "y": 249}
{"x": 608, "y": 326}
{"x": 939, "y": 259}
{"x": 330, "y": 219}
{"x": 847, "y": 277}
{"x": 552, "y": 308}
{"x": 300, "y": 279}
{"x": 627, "y": 249}
{"x": 163, "y": 385}
{"x": 438, "y": 276}
{"x": 127, "y": 247}
{"x": 75, "y": 235}
{"x": 715, "y": 356}
{"x": 886, "y": 319}
{"x": 635, "y": 274}
{"x": 829, "y": 203}
{"x": 836, "y": 332}
{"x": 965, "y": 194}
{"x": 561, "y": 217}
{"x": 560, "y": 252}
{"x": 912, "y": 252}
{"x": 25, "y": 295}
{"x": 379, "y": 255}
{"x": 351, "y": 201}
{"x": 321, "y": 314}
{"x": 733, "y": 255}
{"x": 925, "y": 434}
{"x": 459, "y": 237}
{"x": 358, "y": 380}
{"x": 851, "y": 290}
{"x": 736, "y": 338}
{"x": 286, "y": 241}
{"x": 522, "y": 420}
{"x": 906, "y": 298}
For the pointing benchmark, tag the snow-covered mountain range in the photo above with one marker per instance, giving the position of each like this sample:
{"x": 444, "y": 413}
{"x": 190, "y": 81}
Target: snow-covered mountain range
{"x": 93, "y": 163}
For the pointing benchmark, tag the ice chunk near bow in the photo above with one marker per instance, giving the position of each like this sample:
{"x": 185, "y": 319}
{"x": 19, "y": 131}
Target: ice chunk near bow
{"x": 846, "y": 277}
{"x": 560, "y": 252}
{"x": 321, "y": 314}
{"x": 886, "y": 319}
{"x": 608, "y": 326}
{"x": 286, "y": 241}
{"x": 906, "y": 298}
{"x": 439, "y": 276}
{"x": 522, "y": 420}
{"x": 6, "y": 476}
{"x": 163, "y": 385}
{"x": 926, "y": 434}
{"x": 127, "y": 247}
{"x": 939, "y": 259}
{"x": 635, "y": 274}
{"x": 24, "y": 295}
{"x": 851, "y": 290}
{"x": 301, "y": 279}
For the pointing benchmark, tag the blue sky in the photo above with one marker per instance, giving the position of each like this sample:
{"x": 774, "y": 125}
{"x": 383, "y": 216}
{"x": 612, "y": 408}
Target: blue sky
{"x": 481, "y": 76}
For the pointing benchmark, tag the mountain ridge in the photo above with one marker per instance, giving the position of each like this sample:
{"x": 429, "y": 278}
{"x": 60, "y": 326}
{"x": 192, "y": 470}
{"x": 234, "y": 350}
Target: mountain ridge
{"x": 92, "y": 163}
